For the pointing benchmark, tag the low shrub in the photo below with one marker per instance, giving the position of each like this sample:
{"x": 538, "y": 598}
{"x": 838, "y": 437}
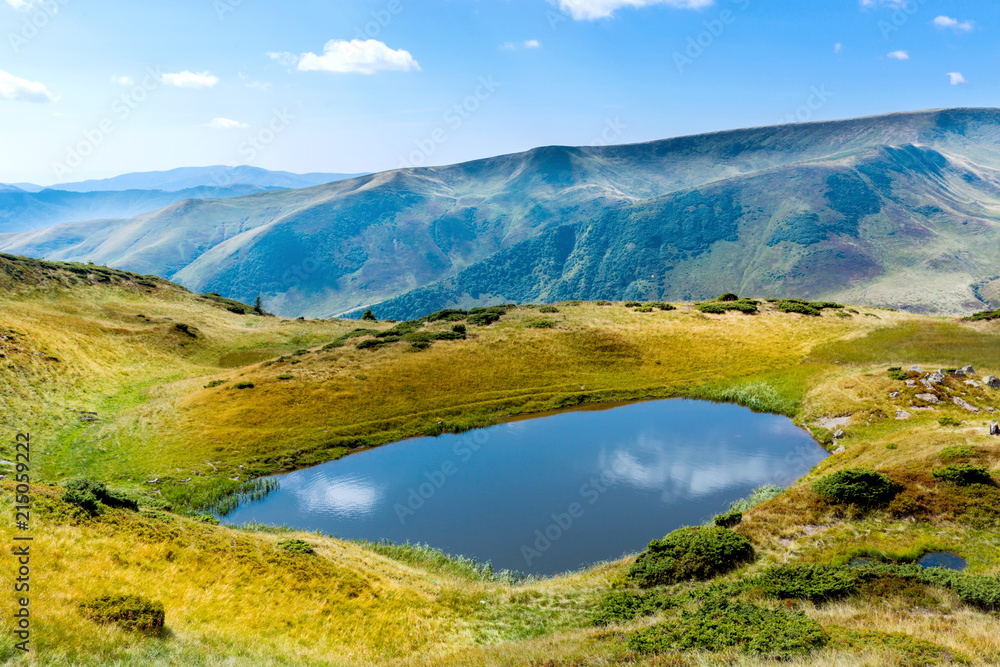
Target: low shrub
{"x": 912, "y": 652}
{"x": 210, "y": 519}
{"x": 91, "y": 494}
{"x": 956, "y": 453}
{"x": 486, "y": 317}
{"x": 983, "y": 316}
{"x": 460, "y": 329}
{"x": 540, "y": 324}
{"x": 745, "y": 306}
{"x": 729, "y": 519}
{"x": 720, "y": 624}
{"x": 728, "y": 297}
{"x": 857, "y": 486}
{"x": 633, "y": 304}
{"x": 186, "y": 329}
{"x": 949, "y": 421}
{"x": 376, "y": 343}
{"x": 369, "y": 316}
{"x": 215, "y": 383}
{"x": 690, "y": 553}
{"x": 244, "y": 385}
{"x": 963, "y": 474}
{"x": 623, "y": 605}
{"x": 800, "y": 307}
{"x": 644, "y": 309}
{"x": 897, "y": 373}
{"x": 296, "y": 547}
{"x": 285, "y": 377}
{"x": 816, "y": 583}
{"x": 602, "y": 303}
{"x": 548, "y": 309}
{"x": 448, "y": 315}
{"x": 130, "y": 612}
{"x": 661, "y": 305}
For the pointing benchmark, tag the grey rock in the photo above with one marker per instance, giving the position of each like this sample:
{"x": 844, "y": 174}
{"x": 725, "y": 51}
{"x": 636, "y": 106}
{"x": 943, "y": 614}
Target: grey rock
{"x": 990, "y": 410}
{"x": 915, "y": 369}
{"x": 974, "y": 383}
{"x": 968, "y": 370}
{"x": 994, "y": 429}
{"x": 928, "y": 398}
{"x": 912, "y": 384}
{"x": 935, "y": 378}
{"x": 894, "y": 394}
{"x": 965, "y": 405}
{"x": 839, "y": 434}
{"x": 927, "y": 384}
{"x": 839, "y": 450}
{"x": 991, "y": 381}
{"x": 902, "y": 414}
{"x": 959, "y": 374}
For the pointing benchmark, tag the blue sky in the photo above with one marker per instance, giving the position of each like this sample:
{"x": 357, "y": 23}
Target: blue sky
{"x": 93, "y": 89}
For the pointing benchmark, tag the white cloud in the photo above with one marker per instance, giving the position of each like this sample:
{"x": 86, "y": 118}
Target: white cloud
{"x": 122, "y": 80}
{"x": 956, "y": 78}
{"x": 23, "y": 5}
{"x": 356, "y": 57}
{"x": 527, "y": 44}
{"x": 900, "y": 55}
{"x": 944, "y": 22}
{"x": 589, "y": 10}
{"x": 891, "y": 3}
{"x": 838, "y": 47}
{"x": 226, "y": 124}
{"x": 508, "y": 46}
{"x": 283, "y": 57}
{"x": 188, "y": 79}
{"x": 15, "y": 88}
{"x": 258, "y": 85}
{"x": 532, "y": 44}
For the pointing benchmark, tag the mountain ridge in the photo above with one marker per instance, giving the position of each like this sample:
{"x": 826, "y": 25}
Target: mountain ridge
{"x": 371, "y": 241}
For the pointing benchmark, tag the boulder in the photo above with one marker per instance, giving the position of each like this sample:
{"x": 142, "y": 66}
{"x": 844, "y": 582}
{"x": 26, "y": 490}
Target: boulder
{"x": 959, "y": 373}
{"x": 991, "y": 381}
{"x": 968, "y": 370}
{"x": 928, "y": 398}
{"x": 994, "y": 429}
{"x": 912, "y": 384}
{"x": 915, "y": 369}
{"x": 839, "y": 434}
{"x": 936, "y": 378}
{"x": 974, "y": 383}
{"x": 894, "y": 394}
{"x": 902, "y": 414}
{"x": 965, "y": 405}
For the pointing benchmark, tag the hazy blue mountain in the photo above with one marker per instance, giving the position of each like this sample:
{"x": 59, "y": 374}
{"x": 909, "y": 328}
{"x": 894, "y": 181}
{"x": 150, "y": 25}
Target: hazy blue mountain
{"x": 896, "y": 210}
{"x": 186, "y": 178}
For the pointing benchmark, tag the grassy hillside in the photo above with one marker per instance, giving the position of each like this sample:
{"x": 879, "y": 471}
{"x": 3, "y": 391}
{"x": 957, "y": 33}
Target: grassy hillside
{"x": 860, "y": 209}
{"x": 104, "y": 341}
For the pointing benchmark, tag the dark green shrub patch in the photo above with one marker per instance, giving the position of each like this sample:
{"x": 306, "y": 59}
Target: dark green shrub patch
{"x": 796, "y": 306}
{"x": 661, "y": 305}
{"x": 548, "y": 309}
{"x": 718, "y": 625}
{"x": 244, "y": 385}
{"x": 368, "y": 316}
{"x": 816, "y": 583}
{"x": 983, "y": 316}
{"x": 449, "y": 335}
{"x": 90, "y": 494}
{"x": 602, "y": 303}
{"x": 460, "y": 329}
{"x": 633, "y": 304}
{"x": 449, "y": 315}
{"x": 949, "y": 421}
{"x": 540, "y": 324}
{"x": 623, "y": 605}
{"x": 186, "y": 329}
{"x": 377, "y": 343}
{"x": 400, "y": 329}
{"x": 130, "y": 612}
{"x": 956, "y": 453}
{"x": 215, "y": 383}
{"x": 963, "y": 474}
{"x": 745, "y": 306}
{"x": 484, "y": 317}
{"x": 285, "y": 377}
{"x": 911, "y": 651}
{"x": 728, "y": 297}
{"x": 690, "y": 553}
{"x": 296, "y": 547}
{"x": 857, "y": 486}
{"x": 897, "y": 373}
{"x": 729, "y": 519}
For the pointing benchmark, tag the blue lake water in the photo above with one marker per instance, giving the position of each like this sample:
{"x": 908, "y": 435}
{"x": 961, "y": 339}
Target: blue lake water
{"x": 548, "y": 494}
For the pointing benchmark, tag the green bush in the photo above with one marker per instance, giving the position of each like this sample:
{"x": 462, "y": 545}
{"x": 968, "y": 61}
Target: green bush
{"x": 719, "y": 624}
{"x": 745, "y": 306}
{"x": 215, "y": 383}
{"x": 244, "y": 385}
{"x": 644, "y": 309}
{"x": 376, "y": 343}
{"x": 548, "y": 309}
{"x": 897, "y": 373}
{"x": 729, "y": 519}
{"x": 661, "y": 305}
{"x": 728, "y": 297}
{"x": 949, "y": 421}
{"x": 449, "y": 315}
{"x": 963, "y": 474}
{"x": 816, "y": 583}
{"x": 369, "y": 316}
{"x": 540, "y": 324}
{"x": 633, "y": 304}
{"x": 956, "y": 453}
{"x": 484, "y": 319}
{"x": 286, "y": 376}
{"x": 130, "y": 612}
{"x": 800, "y": 307}
{"x": 296, "y": 547}
{"x": 690, "y": 553}
{"x": 90, "y": 494}
{"x": 623, "y": 605}
{"x": 460, "y": 329}
{"x": 857, "y": 486}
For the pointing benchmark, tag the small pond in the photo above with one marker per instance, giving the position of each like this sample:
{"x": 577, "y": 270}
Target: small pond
{"x": 944, "y": 559}
{"x": 552, "y": 493}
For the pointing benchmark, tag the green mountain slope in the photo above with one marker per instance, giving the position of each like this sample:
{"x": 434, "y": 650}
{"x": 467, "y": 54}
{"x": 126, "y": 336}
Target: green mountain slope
{"x": 896, "y": 209}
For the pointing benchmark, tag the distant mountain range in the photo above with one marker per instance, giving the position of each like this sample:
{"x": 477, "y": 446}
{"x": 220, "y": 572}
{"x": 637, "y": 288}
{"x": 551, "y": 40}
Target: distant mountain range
{"x": 900, "y": 210}
{"x": 26, "y": 207}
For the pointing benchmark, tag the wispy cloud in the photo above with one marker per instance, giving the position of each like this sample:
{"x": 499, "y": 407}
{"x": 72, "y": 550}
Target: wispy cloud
{"x": 226, "y": 124}
{"x": 956, "y": 78}
{"x": 188, "y": 79}
{"x": 946, "y": 22}
{"x": 527, "y": 44}
{"x": 123, "y": 80}
{"x": 15, "y": 88}
{"x": 838, "y": 47}
{"x": 589, "y": 10}
{"x": 899, "y": 55}
{"x": 356, "y": 56}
